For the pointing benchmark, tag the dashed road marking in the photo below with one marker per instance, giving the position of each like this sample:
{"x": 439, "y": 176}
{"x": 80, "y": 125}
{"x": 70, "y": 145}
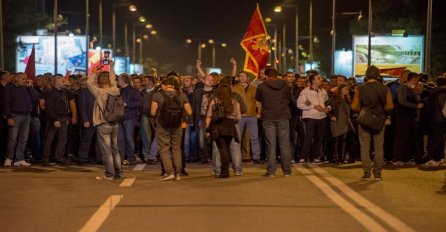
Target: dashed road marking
{"x": 127, "y": 182}
{"x": 99, "y": 217}
{"x": 139, "y": 167}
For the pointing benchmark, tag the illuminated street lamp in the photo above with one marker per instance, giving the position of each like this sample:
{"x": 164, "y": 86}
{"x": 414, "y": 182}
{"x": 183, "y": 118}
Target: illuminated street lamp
{"x": 142, "y": 19}
{"x": 224, "y": 45}
{"x": 189, "y": 41}
{"x": 278, "y": 9}
{"x": 132, "y": 8}
{"x": 149, "y": 26}
{"x": 153, "y": 32}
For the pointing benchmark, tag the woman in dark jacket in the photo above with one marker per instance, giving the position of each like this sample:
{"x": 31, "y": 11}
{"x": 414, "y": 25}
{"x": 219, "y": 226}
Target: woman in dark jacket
{"x": 340, "y": 122}
{"x": 222, "y": 115}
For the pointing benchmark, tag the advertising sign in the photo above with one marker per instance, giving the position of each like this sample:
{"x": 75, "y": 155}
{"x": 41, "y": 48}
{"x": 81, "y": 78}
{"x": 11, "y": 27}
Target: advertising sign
{"x": 71, "y": 53}
{"x": 389, "y": 53}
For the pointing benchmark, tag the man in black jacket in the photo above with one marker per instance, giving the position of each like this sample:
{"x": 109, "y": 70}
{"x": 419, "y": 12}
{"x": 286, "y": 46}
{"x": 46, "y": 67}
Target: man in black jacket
{"x": 5, "y": 79}
{"x": 274, "y": 96}
{"x": 18, "y": 103}
{"x": 435, "y": 151}
{"x": 57, "y": 108}
{"x": 86, "y": 106}
{"x": 133, "y": 101}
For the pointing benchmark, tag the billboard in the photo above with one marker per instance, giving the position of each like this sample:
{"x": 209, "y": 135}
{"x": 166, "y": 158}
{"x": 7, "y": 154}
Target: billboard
{"x": 389, "y": 53}
{"x": 343, "y": 64}
{"x": 71, "y": 53}
{"x": 122, "y": 64}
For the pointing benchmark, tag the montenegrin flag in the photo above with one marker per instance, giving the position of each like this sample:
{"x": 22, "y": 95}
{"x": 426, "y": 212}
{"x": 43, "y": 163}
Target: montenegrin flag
{"x": 255, "y": 44}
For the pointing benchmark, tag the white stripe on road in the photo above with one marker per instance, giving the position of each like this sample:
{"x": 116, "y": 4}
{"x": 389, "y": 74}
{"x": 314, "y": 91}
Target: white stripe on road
{"x": 99, "y": 217}
{"x": 357, "y": 214}
{"x": 127, "y": 182}
{"x": 139, "y": 167}
{"x": 388, "y": 218}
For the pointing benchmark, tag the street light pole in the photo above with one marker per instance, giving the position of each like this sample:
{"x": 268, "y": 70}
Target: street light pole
{"x": 87, "y": 31}
{"x": 427, "y": 63}
{"x": 284, "y": 49}
{"x": 369, "y": 47}
{"x": 100, "y": 24}
{"x": 333, "y": 37}
{"x": 126, "y": 41}
{"x": 2, "y": 62}
{"x": 55, "y": 36}
{"x": 114, "y": 30}
{"x": 213, "y": 55}
{"x": 133, "y": 43}
{"x": 310, "y": 57}
{"x": 296, "y": 70}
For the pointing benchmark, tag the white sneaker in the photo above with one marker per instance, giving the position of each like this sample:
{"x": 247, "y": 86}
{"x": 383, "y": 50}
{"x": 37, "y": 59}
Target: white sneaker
{"x": 104, "y": 178}
{"x": 432, "y": 163}
{"x": 22, "y": 163}
{"x": 8, "y": 163}
{"x": 302, "y": 161}
{"x": 168, "y": 177}
{"x": 177, "y": 177}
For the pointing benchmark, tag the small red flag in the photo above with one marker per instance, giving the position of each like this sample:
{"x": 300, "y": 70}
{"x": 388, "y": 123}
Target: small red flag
{"x": 255, "y": 43}
{"x": 30, "y": 69}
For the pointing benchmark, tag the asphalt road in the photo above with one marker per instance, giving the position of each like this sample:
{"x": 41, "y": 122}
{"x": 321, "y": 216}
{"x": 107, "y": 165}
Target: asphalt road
{"x": 314, "y": 198}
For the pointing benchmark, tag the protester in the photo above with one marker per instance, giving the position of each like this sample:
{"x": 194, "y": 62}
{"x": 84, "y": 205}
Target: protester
{"x": 274, "y": 96}
{"x": 18, "y": 101}
{"x": 168, "y": 106}
{"x": 314, "y": 112}
{"x": 375, "y": 98}
{"x": 103, "y": 85}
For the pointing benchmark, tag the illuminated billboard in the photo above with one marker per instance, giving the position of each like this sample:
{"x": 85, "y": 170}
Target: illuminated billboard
{"x": 391, "y": 54}
{"x": 71, "y": 53}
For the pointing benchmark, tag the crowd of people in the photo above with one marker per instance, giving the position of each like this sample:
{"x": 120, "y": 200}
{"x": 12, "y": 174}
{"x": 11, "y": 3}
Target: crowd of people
{"x": 173, "y": 120}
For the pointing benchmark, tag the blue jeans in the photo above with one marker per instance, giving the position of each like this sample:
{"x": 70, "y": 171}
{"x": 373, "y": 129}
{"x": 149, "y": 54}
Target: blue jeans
{"x": 203, "y": 142}
{"x": 108, "y": 143}
{"x": 126, "y": 140}
{"x": 36, "y": 139}
{"x": 236, "y": 155}
{"x": 191, "y": 143}
{"x": 20, "y": 130}
{"x": 147, "y": 136}
{"x": 251, "y": 123}
{"x": 277, "y": 130}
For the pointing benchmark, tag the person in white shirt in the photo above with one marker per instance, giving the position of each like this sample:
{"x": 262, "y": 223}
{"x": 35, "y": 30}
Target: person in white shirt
{"x": 314, "y": 111}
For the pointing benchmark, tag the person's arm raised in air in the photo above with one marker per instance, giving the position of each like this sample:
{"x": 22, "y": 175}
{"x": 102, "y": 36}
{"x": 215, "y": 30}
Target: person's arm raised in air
{"x": 200, "y": 69}
{"x": 234, "y": 66}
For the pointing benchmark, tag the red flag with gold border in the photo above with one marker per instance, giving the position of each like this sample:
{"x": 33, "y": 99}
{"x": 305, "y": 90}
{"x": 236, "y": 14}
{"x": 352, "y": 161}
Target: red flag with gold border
{"x": 255, "y": 44}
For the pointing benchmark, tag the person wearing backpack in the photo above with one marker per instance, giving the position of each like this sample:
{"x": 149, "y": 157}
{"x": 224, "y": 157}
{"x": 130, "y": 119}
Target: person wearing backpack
{"x": 169, "y": 105}
{"x": 104, "y": 88}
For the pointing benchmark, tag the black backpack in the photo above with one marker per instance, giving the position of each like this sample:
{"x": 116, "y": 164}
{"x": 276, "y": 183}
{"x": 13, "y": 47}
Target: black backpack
{"x": 171, "y": 112}
{"x": 114, "y": 108}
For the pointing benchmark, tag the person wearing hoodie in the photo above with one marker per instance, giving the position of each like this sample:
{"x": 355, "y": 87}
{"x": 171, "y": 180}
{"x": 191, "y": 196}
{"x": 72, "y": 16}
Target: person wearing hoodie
{"x": 274, "y": 95}
{"x": 314, "y": 112}
{"x": 102, "y": 84}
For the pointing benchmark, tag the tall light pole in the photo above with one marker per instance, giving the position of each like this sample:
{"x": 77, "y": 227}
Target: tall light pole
{"x": 296, "y": 33}
{"x": 268, "y": 23}
{"x": 427, "y": 60}
{"x": 87, "y": 30}
{"x": 2, "y": 62}
{"x": 310, "y": 57}
{"x": 333, "y": 37}
{"x": 212, "y": 43}
{"x": 100, "y": 24}
{"x": 369, "y": 47}
{"x": 55, "y": 36}
{"x": 132, "y": 8}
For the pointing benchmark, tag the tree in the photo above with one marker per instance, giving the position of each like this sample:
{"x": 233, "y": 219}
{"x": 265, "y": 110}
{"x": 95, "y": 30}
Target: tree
{"x": 19, "y": 18}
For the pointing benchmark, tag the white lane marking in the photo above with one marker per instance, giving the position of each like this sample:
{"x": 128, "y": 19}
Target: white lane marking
{"x": 127, "y": 182}
{"x": 99, "y": 217}
{"x": 357, "y": 214}
{"x": 388, "y": 218}
{"x": 139, "y": 167}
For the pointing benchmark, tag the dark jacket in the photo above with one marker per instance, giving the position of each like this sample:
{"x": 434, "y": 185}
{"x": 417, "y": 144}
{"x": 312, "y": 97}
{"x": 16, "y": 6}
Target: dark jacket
{"x": 19, "y": 100}
{"x": 133, "y": 101}
{"x": 86, "y": 105}
{"x": 294, "y": 110}
{"x": 196, "y": 105}
{"x": 275, "y": 96}
{"x": 147, "y": 102}
{"x": 407, "y": 101}
{"x": 57, "y": 104}
{"x": 373, "y": 95}
{"x": 435, "y": 106}
{"x": 341, "y": 110}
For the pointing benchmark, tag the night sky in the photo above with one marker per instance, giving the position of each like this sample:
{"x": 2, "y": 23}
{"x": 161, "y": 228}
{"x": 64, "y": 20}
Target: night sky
{"x": 223, "y": 20}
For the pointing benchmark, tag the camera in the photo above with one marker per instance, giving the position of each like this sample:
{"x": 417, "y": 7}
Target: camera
{"x": 106, "y": 60}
